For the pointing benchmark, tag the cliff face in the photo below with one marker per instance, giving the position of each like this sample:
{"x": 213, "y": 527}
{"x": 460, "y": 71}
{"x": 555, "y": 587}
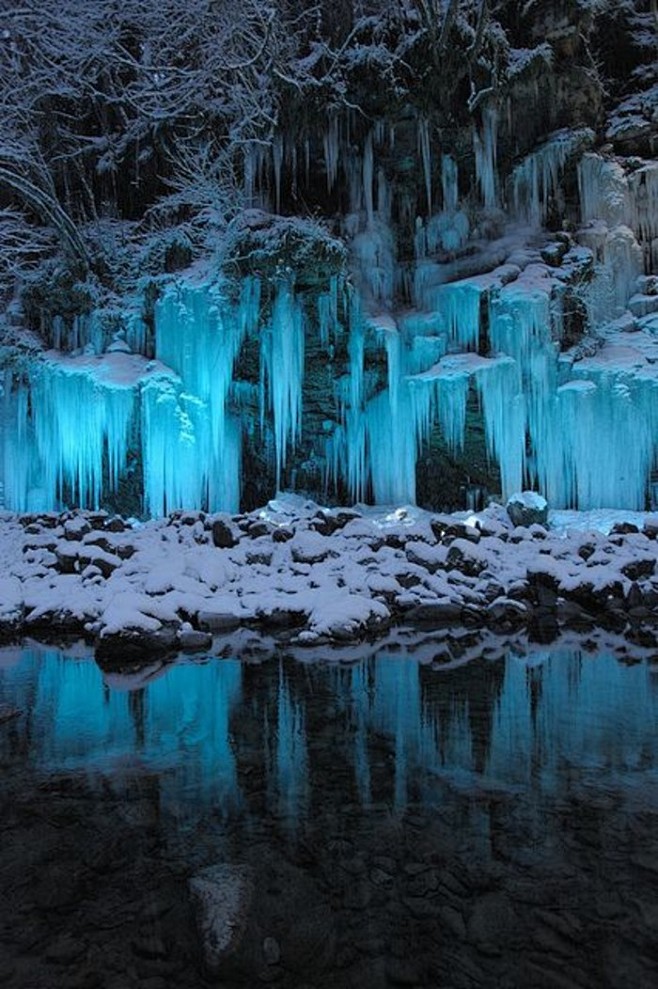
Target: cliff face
{"x": 426, "y": 275}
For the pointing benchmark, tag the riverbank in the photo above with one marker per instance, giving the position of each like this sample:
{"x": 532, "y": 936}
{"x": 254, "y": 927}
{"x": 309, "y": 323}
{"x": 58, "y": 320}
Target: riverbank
{"x": 317, "y": 576}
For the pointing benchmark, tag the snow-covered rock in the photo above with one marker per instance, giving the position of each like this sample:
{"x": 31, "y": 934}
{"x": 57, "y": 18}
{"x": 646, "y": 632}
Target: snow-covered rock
{"x": 527, "y": 508}
{"x": 165, "y": 590}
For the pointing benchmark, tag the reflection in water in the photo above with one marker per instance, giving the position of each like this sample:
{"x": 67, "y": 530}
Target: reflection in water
{"x": 491, "y": 723}
{"x": 496, "y": 822}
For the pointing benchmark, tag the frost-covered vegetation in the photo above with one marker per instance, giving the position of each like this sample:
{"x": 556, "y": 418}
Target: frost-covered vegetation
{"x": 133, "y": 133}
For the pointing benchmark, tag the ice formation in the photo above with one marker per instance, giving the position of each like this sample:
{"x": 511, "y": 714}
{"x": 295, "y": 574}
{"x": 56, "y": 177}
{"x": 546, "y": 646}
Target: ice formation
{"x": 535, "y": 182}
{"x": 67, "y": 425}
{"x": 485, "y": 156}
{"x": 463, "y": 324}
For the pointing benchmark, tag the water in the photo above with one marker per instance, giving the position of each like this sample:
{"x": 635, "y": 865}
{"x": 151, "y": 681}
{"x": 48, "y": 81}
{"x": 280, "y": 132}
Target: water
{"x": 493, "y": 823}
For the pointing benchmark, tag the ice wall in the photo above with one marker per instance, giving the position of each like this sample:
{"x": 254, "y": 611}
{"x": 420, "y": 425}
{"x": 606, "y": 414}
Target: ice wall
{"x": 451, "y": 305}
{"x": 67, "y": 430}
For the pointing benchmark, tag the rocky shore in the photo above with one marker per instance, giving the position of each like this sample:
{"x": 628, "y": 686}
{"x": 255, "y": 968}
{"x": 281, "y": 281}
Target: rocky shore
{"x": 315, "y": 576}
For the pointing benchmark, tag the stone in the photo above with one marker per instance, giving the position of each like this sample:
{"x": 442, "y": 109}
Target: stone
{"x": 217, "y": 621}
{"x": 310, "y": 547}
{"x": 435, "y": 613}
{"x": 571, "y": 613}
{"x": 282, "y": 534}
{"x": 451, "y": 529}
{"x": 506, "y": 612}
{"x": 635, "y": 597}
{"x": 130, "y": 644}
{"x": 623, "y": 529}
{"x": 527, "y": 508}
{"x": 194, "y": 640}
{"x": 67, "y": 559}
{"x": 224, "y": 535}
{"x": 262, "y": 557}
{"x": 422, "y": 555}
{"x": 271, "y": 951}
{"x": 463, "y": 557}
{"x": 222, "y": 895}
{"x": 115, "y": 524}
{"x": 259, "y": 528}
{"x": 107, "y": 563}
{"x": 641, "y": 566}
{"x": 76, "y": 528}
{"x": 552, "y": 254}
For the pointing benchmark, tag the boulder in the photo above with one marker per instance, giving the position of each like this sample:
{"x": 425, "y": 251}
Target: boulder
{"x": 193, "y": 640}
{"x": 224, "y": 534}
{"x": 222, "y": 896}
{"x": 527, "y": 508}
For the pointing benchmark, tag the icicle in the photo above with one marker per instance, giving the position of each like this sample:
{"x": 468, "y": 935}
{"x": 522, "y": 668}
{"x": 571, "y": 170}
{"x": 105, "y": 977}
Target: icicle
{"x": 328, "y": 312}
{"x": 485, "y": 147}
{"x": 368, "y": 167}
{"x": 277, "y": 162}
{"x": 136, "y": 333}
{"x": 22, "y": 474}
{"x": 459, "y": 306}
{"x": 392, "y": 446}
{"x": 81, "y": 415}
{"x": 420, "y": 240}
{"x": 447, "y": 231}
{"x": 425, "y": 351}
{"x": 623, "y": 408}
{"x": 282, "y": 356}
{"x": 192, "y": 445}
{"x": 384, "y": 197}
{"x": 603, "y": 191}
{"x": 293, "y": 170}
{"x": 249, "y": 174}
{"x": 643, "y": 186}
{"x": 452, "y": 397}
{"x": 374, "y": 253}
{"x": 535, "y": 181}
{"x": 353, "y": 167}
{"x": 504, "y": 420}
{"x": 449, "y": 184}
{"x": 331, "y": 146}
{"x": 424, "y": 149}
{"x": 619, "y": 262}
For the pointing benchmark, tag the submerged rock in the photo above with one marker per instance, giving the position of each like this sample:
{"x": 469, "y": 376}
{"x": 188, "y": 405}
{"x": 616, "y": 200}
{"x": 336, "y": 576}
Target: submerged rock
{"x": 222, "y": 895}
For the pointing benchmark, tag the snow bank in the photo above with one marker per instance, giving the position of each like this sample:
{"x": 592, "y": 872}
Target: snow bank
{"x": 317, "y": 575}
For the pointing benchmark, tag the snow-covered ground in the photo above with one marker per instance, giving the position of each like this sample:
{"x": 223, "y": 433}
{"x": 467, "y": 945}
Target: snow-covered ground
{"x": 320, "y": 575}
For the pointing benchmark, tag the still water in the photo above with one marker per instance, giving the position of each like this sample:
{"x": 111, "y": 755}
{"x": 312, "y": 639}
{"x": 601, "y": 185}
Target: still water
{"x": 493, "y": 823}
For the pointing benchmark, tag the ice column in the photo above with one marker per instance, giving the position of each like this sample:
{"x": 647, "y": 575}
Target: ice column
{"x": 282, "y": 357}
{"x": 485, "y": 155}
{"x": 191, "y": 443}
{"x": 425, "y": 151}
